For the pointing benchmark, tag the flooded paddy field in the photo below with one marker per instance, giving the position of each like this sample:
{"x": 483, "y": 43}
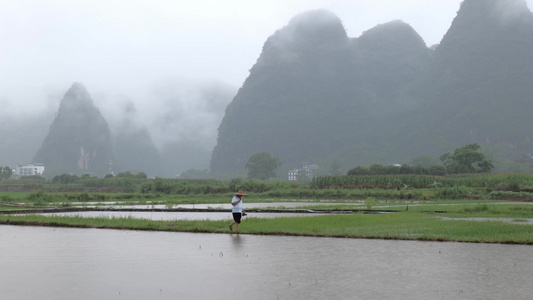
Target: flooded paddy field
{"x": 257, "y": 205}
{"x": 213, "y": 212}
{"x": 68, "y": 263}
{"x": 171, "y": 216}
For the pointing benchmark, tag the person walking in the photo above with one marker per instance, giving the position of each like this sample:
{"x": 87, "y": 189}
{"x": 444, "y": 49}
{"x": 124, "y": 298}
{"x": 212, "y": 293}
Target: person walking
{"x": 236, "y": 210}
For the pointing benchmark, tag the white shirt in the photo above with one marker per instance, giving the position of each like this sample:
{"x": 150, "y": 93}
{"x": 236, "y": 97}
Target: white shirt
{"x": 237, "y": 208}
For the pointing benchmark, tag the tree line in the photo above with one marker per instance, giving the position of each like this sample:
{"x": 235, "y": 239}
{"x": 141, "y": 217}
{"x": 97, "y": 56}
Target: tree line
{"x": 263, "y": 166}
{"x": 464, "y": 160}
{"x": 5, "y": 173}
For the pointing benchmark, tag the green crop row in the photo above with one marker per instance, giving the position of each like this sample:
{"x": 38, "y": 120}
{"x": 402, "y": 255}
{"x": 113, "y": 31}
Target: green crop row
{"x": 513, "y": 182}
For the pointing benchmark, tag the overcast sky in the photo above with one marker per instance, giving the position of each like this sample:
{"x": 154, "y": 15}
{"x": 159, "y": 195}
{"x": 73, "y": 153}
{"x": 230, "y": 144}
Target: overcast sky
{"x": 123, "y": 46}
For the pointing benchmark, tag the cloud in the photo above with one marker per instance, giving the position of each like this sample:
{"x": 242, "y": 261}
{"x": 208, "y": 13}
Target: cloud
{"x": 172, "y": 110}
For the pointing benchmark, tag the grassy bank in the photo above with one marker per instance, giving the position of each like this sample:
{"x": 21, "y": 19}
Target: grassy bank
{"x": 414, "y": 224}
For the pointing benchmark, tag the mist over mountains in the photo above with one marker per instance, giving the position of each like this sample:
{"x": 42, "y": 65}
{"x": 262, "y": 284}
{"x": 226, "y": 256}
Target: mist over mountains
{"x": 316, "y": 95}
{"x": 171, "y": 130}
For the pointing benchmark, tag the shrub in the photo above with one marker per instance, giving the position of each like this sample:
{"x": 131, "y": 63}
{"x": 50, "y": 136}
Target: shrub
{"x": 369, "y": 201}
{"x": 39, "y": 198}
{"x": 477, "y": 208}
{"x": 84, "y": 197}
{"x": 458, "y": 192}
{"x": 6, "y": 198}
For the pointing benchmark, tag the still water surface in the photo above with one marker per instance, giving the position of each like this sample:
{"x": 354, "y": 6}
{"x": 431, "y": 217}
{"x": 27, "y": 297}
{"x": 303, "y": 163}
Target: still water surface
{"x": 64, "y": 263}
{"x": 258, "y": 205}
{"x": 171, "y": 216}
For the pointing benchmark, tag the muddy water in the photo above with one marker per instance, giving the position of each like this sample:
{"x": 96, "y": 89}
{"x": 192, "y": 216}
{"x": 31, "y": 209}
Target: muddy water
{"x": 59, "y": 263}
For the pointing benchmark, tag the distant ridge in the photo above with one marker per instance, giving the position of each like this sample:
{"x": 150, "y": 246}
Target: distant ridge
{"x": 133, "y": 147}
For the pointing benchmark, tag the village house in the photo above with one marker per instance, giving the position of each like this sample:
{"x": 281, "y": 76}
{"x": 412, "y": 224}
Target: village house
{"x": 29, "y": 169}
{"x": 305, "y": 170}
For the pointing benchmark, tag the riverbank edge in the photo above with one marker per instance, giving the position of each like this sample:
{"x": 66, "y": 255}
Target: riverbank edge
{"x": 148, "y": 226}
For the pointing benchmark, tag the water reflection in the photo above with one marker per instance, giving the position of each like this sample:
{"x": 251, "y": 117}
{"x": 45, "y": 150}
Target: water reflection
{"x": 236, "y": 241}
{"x": 258, "y": 205}
{"x": 58, "y": 263}
{"x": 174, "y": 216}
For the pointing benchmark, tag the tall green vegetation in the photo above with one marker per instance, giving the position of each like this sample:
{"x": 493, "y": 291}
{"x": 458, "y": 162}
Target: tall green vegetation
{"x": 378, "y": 169}
{"x": 5, "y": 173}
{"x": 262, "y": 166}
{"x": 466, "y": 159}
{"x": 39, "y": 198}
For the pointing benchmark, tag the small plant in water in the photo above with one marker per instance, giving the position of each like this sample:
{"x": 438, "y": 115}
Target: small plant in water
{"x": 369, "y": 201}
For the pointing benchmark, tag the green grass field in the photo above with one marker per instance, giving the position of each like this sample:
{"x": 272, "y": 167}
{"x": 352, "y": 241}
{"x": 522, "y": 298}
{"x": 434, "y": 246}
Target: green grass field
{"x": 434, "y": 208}
{"x": 416, "y": 223}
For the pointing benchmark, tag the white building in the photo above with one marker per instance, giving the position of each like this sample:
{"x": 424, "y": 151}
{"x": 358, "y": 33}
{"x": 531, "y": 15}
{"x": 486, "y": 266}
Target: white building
{"x": 305, "y": 170}
{"x": 29, "y": 169}
{"x": 293, "y": 174}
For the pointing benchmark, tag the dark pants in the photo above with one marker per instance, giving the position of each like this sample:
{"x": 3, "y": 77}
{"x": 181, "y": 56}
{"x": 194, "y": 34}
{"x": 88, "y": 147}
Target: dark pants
{"x": 237, "y": 217}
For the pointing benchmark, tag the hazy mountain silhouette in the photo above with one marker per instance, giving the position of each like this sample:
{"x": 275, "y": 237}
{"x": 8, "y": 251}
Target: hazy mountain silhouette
{"x": 315, "y": 95}
{"x": 479, "y": 87}
{"x": 314, "y": 92}
{"x": 133, "y": 146}
{"x": 79, "y": 140}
